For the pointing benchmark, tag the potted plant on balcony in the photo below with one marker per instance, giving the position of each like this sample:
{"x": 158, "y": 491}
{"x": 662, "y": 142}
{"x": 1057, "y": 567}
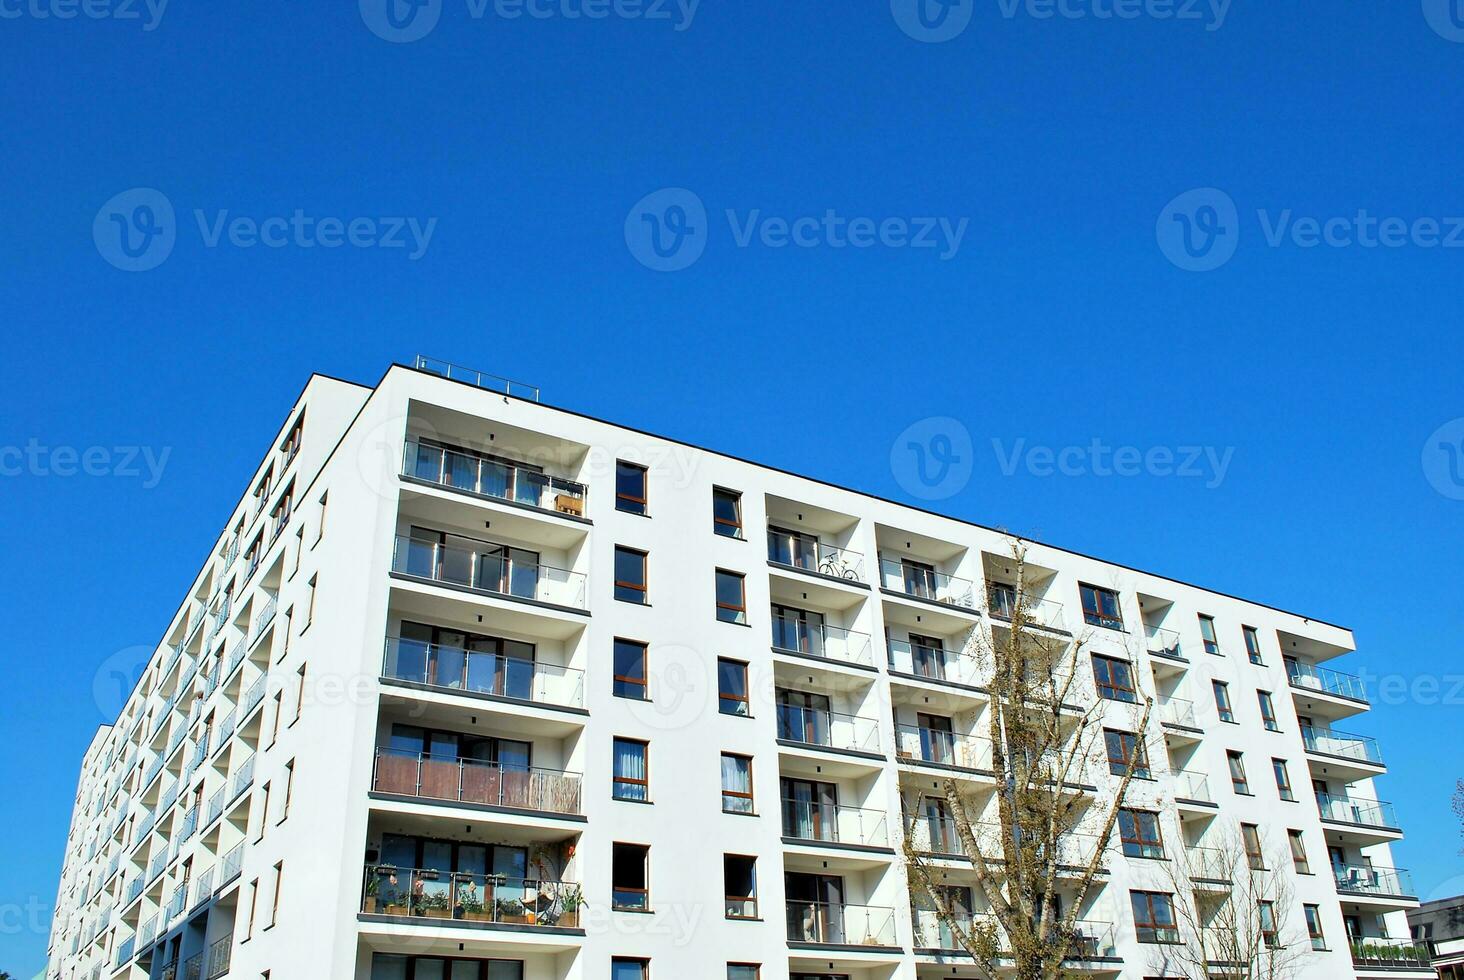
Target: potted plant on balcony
{"x": 511, "y": 910}
{"x": 471, "y": 907}
{"x": 373, "y": 887}
{"x": 436, "y": 906}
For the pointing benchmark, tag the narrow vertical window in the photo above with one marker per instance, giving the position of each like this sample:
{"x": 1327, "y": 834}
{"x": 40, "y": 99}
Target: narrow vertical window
{"x": 279, "y": 879}
{"x": 736, "y": 783}
{"x": 629, "y": 679}
{"x": 1268, "y": 711}
{"x": 727, "y": 512}
{"x": 732, "y": 687}
{"x": 630, "y": 877}
{"x": 630, "y": 575}
{"x": 1252, "y": 644}
{"x": 253, "y": 903}
{"x": 739, "y": 873}
{"x": 630, "y": 487}
{"x": 631, "y": 775}
{"x": 299, "y": 693}
{"x": 1222, "y": 701}
{"x": 1314, "y": 926}
{"x": 1299, "y": 860}
{"x": 320, "y": 526}
{"x": 1283, "y": 780}
{"x": 289, "y": 789}
{"x": 1207, "y": 633}
{"x": 310, "y": 602}
{"x": 1255, "y": 857}
{"x": 731, "y": 597}
{"x": 1238, "y": 781}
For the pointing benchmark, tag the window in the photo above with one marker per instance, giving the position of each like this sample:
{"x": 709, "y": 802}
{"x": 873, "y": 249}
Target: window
{"x": 736, "y": 783}
{"x": 623, "y": 969}
{"x": 253, "y": 902}
{"x": 299, "y": 693}
{"x": 1283, "y": 781}
{"x": 732, "y": 687}
{"x": 1124, "y": 748}
{"x": 1314, "y": 926}
{"x": 1237, "y": 773}
{"x": 630, "y": 487}
{"x": 289, "y": 789}
{"x": 1222, "y": 701}
{"x": 1139, "y": 831}
{"x": 274, "y": 905}
{"x": 1115, "y": 679}
{"x": 1255, "y": 858}
{"x": 1266, "y": 912}
{"x": 1100, "y": 607}
{"x": 1268, "y": 711}
{"x": 630, "y": 575}
{"x": 320, "y": 527}
{"x": 630, "y": 669}
{"x": 1207, "y": 633}
{"x": 285, "y": 641}
{"x": 731, "y": 598}
{"x": 1252, "y": 644}
{"x": 1298, "y": 852}
{"x": 629, "y": 880}
{"x": 727, "y": 519}
{"x": 1154, "y": 917}
{"x": 279, "y": 710}
{"x": 740, "y": 875}
{"x": 742, "y": 971}
{"x": 310, "y": 603}
{"x": 299, "y": 552}
{"x": 263, "y": 812}
{"x": 632, "y": 770}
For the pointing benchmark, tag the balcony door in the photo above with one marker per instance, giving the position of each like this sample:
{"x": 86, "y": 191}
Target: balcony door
{"x": 803, "y": 717}
{"x": 937, "y": 739}
{"x": 927, "y": 654}
{"x": 810, "y": 810}
{"x": 798, "y": 630}
{"x": 919, "y": 578}
{"x": 792, "y": 548}
{"x": 815, "y": 907}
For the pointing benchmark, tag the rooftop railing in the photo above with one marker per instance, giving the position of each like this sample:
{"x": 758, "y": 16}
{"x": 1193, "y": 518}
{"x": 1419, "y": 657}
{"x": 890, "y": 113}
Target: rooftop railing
{"x": 834, "y": 823}
{"x": 489, "y": 899}
{"x": 936, "y": 663}
{"x": 913, "y": 742}
{"x": 792, "y": 635}
{"x": 493, "y": 478}
{"x": 475, "y": 672}
{"x": 827, "y": 729}
{"x": 1310, "y": 677}
{"x": 488, "y": 570}
{"x": 470, "y": 781}
{"x": 1326, "y": 741}
{"x": 838, "y": 924}
{"x": 812, "y": 555}
{"x": 478, "y": 379}
{"x": 922, "y": 583}
{"x": 1360, "y": 813}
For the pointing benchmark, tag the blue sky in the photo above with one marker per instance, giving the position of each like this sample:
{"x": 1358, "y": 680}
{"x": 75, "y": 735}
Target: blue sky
{"x": 1063, "y": 149}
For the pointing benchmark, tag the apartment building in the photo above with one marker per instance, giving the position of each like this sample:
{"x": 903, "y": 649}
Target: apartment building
{"x": 472, "y": 687}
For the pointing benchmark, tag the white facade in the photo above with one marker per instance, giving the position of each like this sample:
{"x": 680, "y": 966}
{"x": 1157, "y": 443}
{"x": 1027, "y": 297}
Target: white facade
{"x": 389, "y": 728}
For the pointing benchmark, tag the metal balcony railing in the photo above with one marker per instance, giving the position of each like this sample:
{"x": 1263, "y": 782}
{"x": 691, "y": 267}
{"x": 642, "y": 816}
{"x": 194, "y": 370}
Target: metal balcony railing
{"x": 809, "y": 554}
{"x": 428, "y": 894}
{"x": 1377, "y": 951}
{"x": 922, "y": 583}
{"x": 834, "y": 823}
{"x": 936, "y": 663}
{"x": 1310, "y": 677}
{"x": 1360, "y": 813}
{"x": 456, "y": 669}
{"x": 1325, "y": 741}
{"x": 1091, "y": 939}
{"x": 827, "y": 729}
{"x": 494, "y": 478}
{"x": 1001, "y": 604}
{"x": 792, "y": 635}
{"x": 478, "y": 379}
{"x": 1362, "y": 880}
{"x": 219, "y": 956}
{"x": 488, "y": 570}
{"x": 913, "y": 743}
{"x": 837, "y": 924}
{"x": 470, "y": 781}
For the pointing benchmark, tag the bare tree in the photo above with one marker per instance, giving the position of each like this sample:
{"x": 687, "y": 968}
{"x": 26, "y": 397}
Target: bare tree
{"x": 1041, "y": 746}
{"x": 1233, "y": 917}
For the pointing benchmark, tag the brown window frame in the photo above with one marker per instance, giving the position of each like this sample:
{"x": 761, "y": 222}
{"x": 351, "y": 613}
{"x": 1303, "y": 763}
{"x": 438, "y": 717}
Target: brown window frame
{"x": 1300, "y": 862}
{"x": 1138, "y": 762}
{"x": 1108, "y": 685}
{"x": 1210, "y": 643}
{"x": 718, "y": 523}
{"x": 743, "y": 899}
{"x": 615, "y": 889}
{"x": 617, "y": 781}
{"x": 745, "y": 698}
{"x": 1224, "y": 707}
{"x": 1145, "y": 847}
{"x": 1096, "y": 617}
{"x": 1255, "y": 854}
{"x": 643, "y": 588}
{"x": 1284, "y": 789}
{"x": 1267, "y": 704}
{"x": 639, "y": 504}
{"x": 740, "y": 610}
{"x": 642, "y": 681}
{"x": 1152, "y": 923}
{"x": 1235, "y": 763}
{"x": 1252, "y": 650}
{"x": 749, "y": 796}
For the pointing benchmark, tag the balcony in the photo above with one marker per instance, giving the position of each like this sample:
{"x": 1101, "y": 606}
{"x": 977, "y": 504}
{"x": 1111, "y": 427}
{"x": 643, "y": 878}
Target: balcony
{"x": 1341, "y": 745}
{"x": 1377, "y": 882}
{"x": 1309, "y": 677}
{"x": 827, "y": 729}
{"x": 1179, "y": 713}
{"x": 1164, "y": 643}
{"x": 124, "y": 951}
{"x": 1359, "y": 813}
{"x": 1209, "y": 865}
{"x": 1390, "y": 954}
{"x": 474, "y": 898}
{"x": 231, "y": 865}
{"x": 472, "y": 672}
{"x": 832, "y": 823}
{"x": 493, "y": 478}
{"x": 479, "y": 783}
{"x": 219, "y": 955}
{"x": 488, "y": 570}
{"x": 193, "y": 966}
{"x": 837, "y": 924}
{"x": 1001, "y": 603}
{"x": 932, "y": 663}
{"x": 1192, "y": 786}
{"x": 922, "y": 582}
{"x": 808, "y": 554}
{"x": 913, "y": 743}
{"x": 1091, "y": 940}
{"x": 799, "y": 636}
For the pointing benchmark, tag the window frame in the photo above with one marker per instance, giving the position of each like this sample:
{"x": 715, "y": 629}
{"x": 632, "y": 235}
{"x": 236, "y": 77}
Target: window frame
{"x": 643, "y": 589}
{"x": 638, "y": 505}
{"x": 1300, "y": 860}
{"x": 1239, "y": 781}
{"x": 1161, "y": 934}
{"x": 617, "y": 780}
{"x": 1252, "y": 645}
{"x": 723, "y": 698}
{"x": 1143, "y": 846}
{"x": 739, "y": 612}
{"x": 1097, "y": 617}
{"x": 1255, "y": 852}
{"x": 616, "y": 890}
{"x": 1224, "y": 707}
{"x": 1284, "y": 789}
{"x": 737, "y": 532}
{"x": 1138, "y": 761}
{"x": 727, "y": 899}
{"x": 1210, "y": 642}
{"x": 750, "y": 796}
{"x": 1109, "y": 685}
{"x": 617, "y": 678}
{"x": 1267, "y": 704}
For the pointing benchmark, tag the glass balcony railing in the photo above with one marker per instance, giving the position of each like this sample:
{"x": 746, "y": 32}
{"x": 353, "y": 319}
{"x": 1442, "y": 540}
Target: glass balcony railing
{"x": 124, "y": 951}
{"x": 792, "y": 635}
{"x": 1001, "y": 604}
{"x": 219, "y": 956}
{"x": 918, "y": 744}
{"x": 488, "y": 570}
{"x": 475, "y": 672}
{"x": 470, "y": 781}
{"x": 832, "y": 923}
{"x": 488, "y": 899}
{"x": 1363, "y": 880}
{"x": 834, "y": 824}
{"x": 1192, "y": 786}
{"x": 1177, "y": 711}
{"x": 1378, "y": 951}
{"x": 193, "y": 967}
{"x": 1209, "y": 864}
{"x": 827, "y": 729}
{"x": 232, "y": 864}
{"x": 1163, "y": 643}
{"x": 920, "y": 582}
{"x": 478, "y": 379}
{"x": 1360, "y": 813}
{"x": 935, "y": 663}
{"x": 494, "y": 478}
{"x": 202, "y": 888}
{"x": 1325, "y": 741}
{"x": 1310, "y": 677}
{"x": 811, "y": 555}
